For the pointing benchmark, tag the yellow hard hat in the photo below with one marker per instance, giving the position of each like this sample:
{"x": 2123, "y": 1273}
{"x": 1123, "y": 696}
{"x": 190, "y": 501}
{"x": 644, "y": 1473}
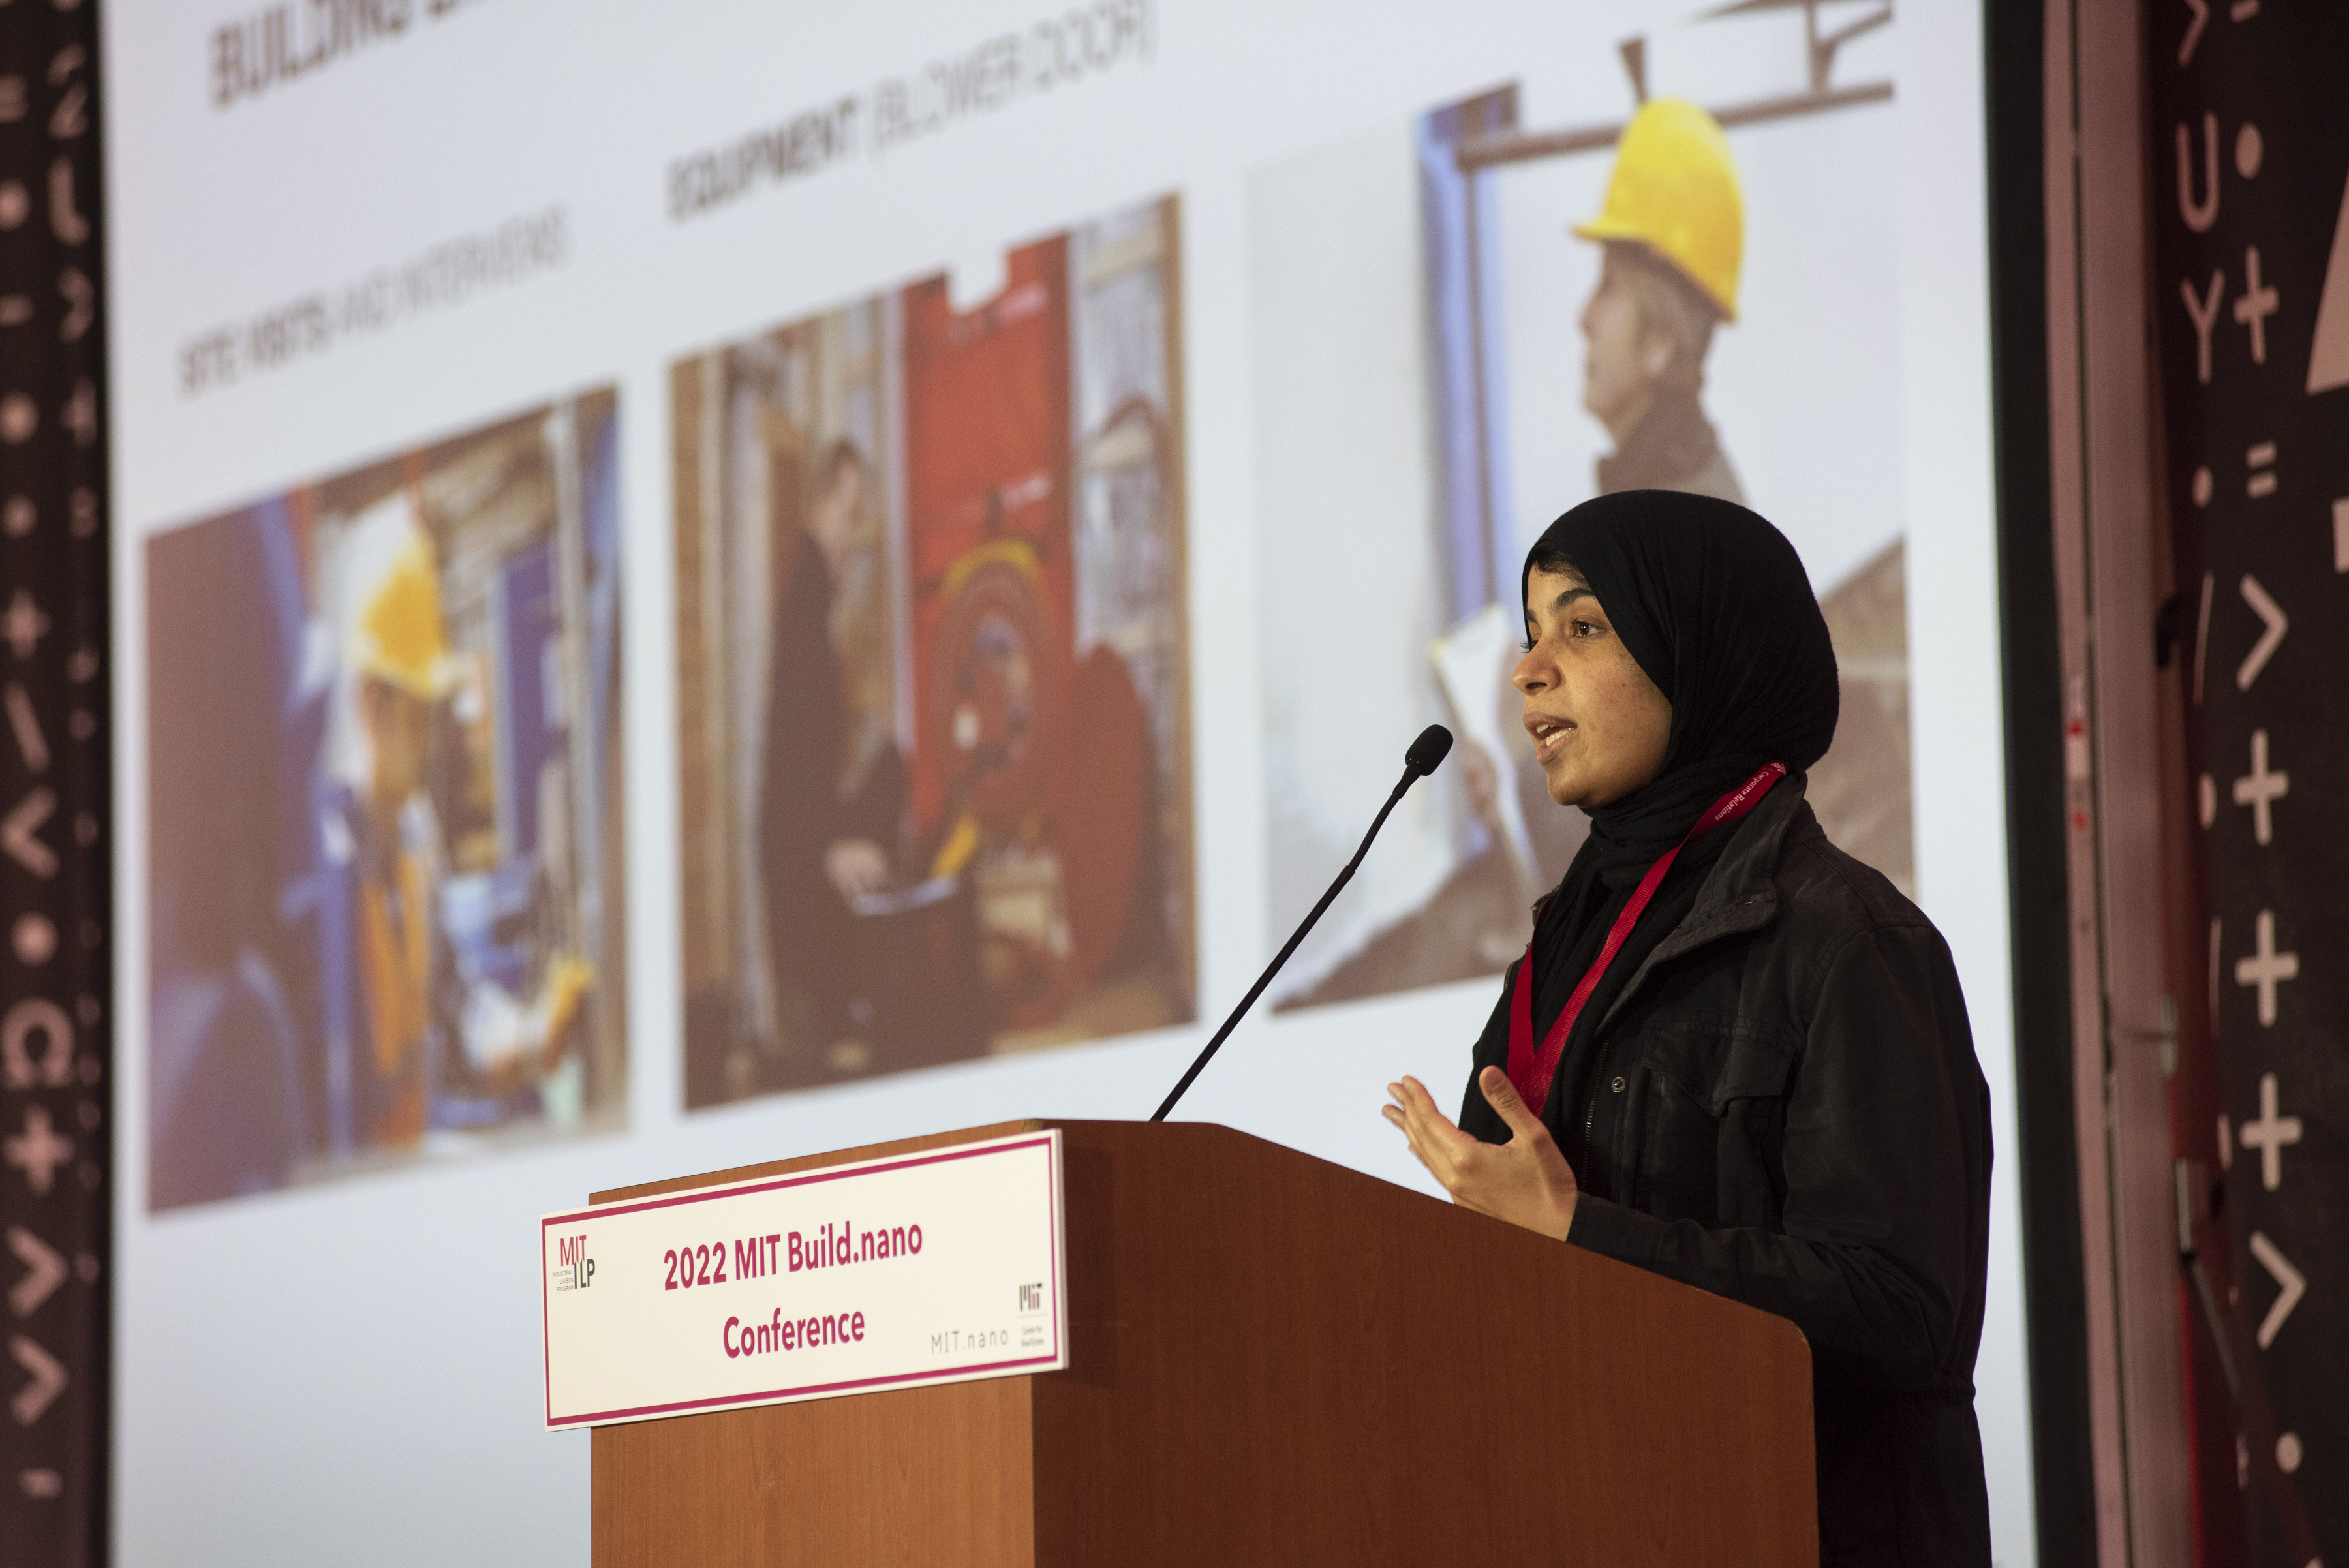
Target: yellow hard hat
{"x": 568, "y": 981}
{"x": 1675, "y": 189}
{"x": 401, "y": 639}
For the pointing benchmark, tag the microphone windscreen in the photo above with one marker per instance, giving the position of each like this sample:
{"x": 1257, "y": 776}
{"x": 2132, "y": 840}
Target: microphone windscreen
{"x": 1427, "y": 753}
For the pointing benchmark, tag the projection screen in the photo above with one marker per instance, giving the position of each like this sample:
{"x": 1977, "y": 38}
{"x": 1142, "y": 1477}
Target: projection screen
{"x": 712, "y": 582}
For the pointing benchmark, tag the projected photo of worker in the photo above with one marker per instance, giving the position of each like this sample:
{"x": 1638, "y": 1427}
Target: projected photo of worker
{"x": 1661, "y": 264}
{"x": 385, "y": 819}
{"x": 934, "y": 760}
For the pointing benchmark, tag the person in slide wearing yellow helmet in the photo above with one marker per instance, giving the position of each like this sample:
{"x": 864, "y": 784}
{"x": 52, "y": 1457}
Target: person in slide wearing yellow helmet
{"x": 411, "y": 998}
{"x": 1673, "y": 225}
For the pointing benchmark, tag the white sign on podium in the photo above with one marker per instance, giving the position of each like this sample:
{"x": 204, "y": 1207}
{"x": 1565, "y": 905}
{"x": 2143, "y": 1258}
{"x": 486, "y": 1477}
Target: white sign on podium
{"x": 937, "y": 1267}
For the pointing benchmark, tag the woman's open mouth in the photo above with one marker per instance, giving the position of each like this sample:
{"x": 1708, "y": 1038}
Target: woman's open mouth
{"x": 1550, "y": 736}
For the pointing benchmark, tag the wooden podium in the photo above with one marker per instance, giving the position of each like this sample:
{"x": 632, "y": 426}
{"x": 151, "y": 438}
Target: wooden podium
{"x": 1273, "y": 1360}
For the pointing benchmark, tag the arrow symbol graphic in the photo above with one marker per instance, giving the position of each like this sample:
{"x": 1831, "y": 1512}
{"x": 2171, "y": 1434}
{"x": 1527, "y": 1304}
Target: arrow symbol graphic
{"x": 2295, "y": 1285}
{"x": 2269, "y": 611}
{"x": 2202, "y": 9}
{"x": 45, "y": 1266}
{"x": 48, "y": 1380}
{"x": 18, "y": 828}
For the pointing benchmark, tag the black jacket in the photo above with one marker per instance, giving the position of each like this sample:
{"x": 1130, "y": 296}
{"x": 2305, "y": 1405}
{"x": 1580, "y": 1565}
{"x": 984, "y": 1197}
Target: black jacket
{"x": 1783, "y": 1107}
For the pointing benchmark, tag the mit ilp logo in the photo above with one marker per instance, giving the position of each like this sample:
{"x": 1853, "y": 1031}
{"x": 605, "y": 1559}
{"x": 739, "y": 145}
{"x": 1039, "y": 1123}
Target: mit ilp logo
{"x": 574, "y": 1270}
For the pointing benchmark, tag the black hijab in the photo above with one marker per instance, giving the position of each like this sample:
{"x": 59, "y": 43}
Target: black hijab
{"x": 1714, "y": 604}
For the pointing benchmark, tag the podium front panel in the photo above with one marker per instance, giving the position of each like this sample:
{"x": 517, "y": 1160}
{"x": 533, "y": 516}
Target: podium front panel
{"x": 1272, "y": 1358}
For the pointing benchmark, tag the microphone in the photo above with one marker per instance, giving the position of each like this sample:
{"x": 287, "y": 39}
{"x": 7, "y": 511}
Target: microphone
{"x": 1426, "y": 755}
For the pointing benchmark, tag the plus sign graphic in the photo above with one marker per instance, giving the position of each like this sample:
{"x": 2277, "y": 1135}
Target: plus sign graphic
{"x": 2266, "y": 967}
{"x": 2270, "y": 1134}
{"x": 37, "y": 1151}
{"x": 2255, "y": 305}
{"x": 2261, "y": 789}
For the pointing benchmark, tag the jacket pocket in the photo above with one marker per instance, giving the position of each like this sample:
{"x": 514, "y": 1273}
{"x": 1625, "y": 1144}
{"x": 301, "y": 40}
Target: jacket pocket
{"x": 1715, "y": 1119}
{"x": 1713, "y": 1061}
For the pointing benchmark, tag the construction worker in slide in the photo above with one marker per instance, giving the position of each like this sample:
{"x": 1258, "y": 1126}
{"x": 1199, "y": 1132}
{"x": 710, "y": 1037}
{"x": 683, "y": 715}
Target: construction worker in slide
{"x": 412, "y": 1002}
{"x": 1673, "y": 225}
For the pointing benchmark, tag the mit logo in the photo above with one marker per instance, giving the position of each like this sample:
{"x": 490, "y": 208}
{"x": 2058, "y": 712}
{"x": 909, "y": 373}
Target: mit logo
{"x": 1031, "y": 1297}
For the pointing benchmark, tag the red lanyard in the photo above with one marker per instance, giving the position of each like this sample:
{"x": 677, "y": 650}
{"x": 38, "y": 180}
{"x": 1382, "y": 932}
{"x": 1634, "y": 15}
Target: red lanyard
{"x": 1531, "y": 1072}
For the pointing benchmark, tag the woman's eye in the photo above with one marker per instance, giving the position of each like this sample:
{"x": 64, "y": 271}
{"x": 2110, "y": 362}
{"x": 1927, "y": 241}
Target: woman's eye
{"x": 1584, "y": 629}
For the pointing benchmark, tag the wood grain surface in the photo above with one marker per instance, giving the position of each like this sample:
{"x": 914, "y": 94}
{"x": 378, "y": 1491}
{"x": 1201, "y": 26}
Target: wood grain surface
{"x": 1273, "y": 1359}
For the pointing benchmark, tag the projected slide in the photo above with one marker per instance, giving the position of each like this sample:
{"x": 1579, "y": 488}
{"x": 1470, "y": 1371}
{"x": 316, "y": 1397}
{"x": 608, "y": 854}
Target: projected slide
{"x": 384, "y": 820}
{"x": 1656, "y": 303}
{"x": 932, "y": 707}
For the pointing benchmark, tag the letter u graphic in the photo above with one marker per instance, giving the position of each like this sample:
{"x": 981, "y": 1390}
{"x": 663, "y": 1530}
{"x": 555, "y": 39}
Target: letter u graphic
{"x": 2199, "y": 217}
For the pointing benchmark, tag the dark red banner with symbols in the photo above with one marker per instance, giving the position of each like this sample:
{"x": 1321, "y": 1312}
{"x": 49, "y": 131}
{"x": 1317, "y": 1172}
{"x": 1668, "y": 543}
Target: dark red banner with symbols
{"x": 55, "y": 861}
{"x": 2250, "y": 173}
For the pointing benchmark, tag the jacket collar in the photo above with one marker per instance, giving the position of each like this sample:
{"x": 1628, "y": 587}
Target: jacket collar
{"x": 1740, "y": 893}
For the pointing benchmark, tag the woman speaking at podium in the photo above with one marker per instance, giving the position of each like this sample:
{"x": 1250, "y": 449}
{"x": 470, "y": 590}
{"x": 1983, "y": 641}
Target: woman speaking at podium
{"x": 1733, "y": 1055}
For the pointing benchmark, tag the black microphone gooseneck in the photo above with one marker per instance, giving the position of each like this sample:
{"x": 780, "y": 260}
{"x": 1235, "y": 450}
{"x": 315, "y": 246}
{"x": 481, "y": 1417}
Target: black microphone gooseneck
{"x": 1425, "y": 754}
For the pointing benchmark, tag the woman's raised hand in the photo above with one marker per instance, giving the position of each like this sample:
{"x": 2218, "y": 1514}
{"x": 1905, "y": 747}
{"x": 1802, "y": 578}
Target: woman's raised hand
{"x": 1525, "y": 1181}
